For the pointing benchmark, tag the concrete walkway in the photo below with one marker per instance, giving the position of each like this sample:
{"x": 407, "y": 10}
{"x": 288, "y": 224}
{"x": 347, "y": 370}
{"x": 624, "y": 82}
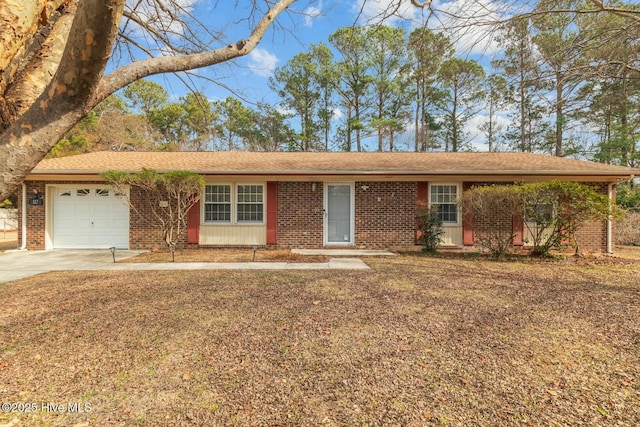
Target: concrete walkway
{"x": 16, "y": 265}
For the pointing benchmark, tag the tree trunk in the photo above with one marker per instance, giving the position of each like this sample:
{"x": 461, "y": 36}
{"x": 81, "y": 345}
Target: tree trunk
{"x": 357, "y": 113}
{"x": 79, "y": 84}
{"x": 63, "y": 103}
{"x": 490, "y": 130}
{"x": 454, "y": 124}
{"x": 523, "y": 145}
{"x": 417, "y": 125}
{"x": 380, "y": 114}
{"x": 35, "y": 73}
{"x": 559, "y": 113}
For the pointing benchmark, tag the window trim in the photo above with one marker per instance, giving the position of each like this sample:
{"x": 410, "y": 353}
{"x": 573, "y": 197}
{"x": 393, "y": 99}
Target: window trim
{"x": 204, "y": 204}
{"x": 237, "y": 203}
{"x": 457, "y": 204}
{"x": 234, "y": 205}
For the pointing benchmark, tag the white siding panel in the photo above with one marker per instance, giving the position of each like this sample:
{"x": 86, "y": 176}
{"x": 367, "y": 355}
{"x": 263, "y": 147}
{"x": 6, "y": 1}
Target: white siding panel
{"x": 529, "y": 230}
{"x": 452, "y": 235}
{"x": 233, "y": 234}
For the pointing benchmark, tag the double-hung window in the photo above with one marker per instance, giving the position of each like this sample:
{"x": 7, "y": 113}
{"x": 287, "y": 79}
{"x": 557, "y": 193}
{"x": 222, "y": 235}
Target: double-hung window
{"x": 542, "y": 213}
{"x": 445, "y": 197}
{"x": 250, "y": 203}
{"x": 217, "y": 203}
{"x": 234, "y": 203}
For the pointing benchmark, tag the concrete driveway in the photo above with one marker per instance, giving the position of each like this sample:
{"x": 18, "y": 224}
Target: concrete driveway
{"x": 16, "y": 265}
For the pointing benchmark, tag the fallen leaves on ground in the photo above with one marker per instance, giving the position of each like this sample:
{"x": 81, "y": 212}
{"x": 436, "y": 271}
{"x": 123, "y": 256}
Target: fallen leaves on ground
{"x": 413, "y": 341}
{"x": 226, "y": 255}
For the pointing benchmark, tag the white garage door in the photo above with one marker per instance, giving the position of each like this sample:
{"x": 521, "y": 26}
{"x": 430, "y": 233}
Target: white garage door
{"x": 89, "y": 217}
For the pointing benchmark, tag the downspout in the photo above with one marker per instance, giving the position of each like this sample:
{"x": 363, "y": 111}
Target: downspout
{"x": 23, "y": 240}
{"x": 609, "y": 222}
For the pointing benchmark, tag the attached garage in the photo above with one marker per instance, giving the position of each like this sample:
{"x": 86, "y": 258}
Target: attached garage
{"x": 87, "y": 216}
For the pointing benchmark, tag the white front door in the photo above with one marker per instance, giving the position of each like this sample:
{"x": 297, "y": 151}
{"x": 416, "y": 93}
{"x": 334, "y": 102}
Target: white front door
{"x": 89, "y": 216}
{"x": 339, "y": 218}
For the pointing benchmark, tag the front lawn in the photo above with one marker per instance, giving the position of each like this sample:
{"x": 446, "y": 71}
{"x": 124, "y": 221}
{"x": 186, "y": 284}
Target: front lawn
{"x": 414, "y": 341}
{"x": 225, "y": 255}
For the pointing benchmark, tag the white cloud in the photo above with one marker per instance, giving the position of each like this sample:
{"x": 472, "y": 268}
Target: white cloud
{"x": 284, "y": 110}
{"x": 337, "y": 114}
{"x": 469, "y": 24}
{"x": 262, "y": 62}
{"x": 472, "y": 127}
{"x": 310, "y": 13}
{"x": 375, "y": 11}
{"x": 160, "y": 19}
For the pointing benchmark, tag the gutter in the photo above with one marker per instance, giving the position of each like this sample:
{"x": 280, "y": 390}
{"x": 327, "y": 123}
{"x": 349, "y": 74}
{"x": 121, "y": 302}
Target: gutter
{"x": 23, "y": 240}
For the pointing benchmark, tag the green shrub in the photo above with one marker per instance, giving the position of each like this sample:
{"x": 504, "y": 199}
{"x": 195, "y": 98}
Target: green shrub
{"x": 555, "y": 211}
{"x": 430, "y": 227}
{"x": 628, "y": 195}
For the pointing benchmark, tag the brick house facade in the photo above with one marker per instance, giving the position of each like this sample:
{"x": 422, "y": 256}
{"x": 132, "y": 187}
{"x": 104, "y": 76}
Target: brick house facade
{"x": 292, "y": 200}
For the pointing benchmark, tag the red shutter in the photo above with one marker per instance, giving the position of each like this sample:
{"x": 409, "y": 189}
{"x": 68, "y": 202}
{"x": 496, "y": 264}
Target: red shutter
{"x": 468, "y": 233}
{"x": 518, "y": 230}
{"x": 272, "y": 213}
{"x": 193, "y": 224}
{"x": 423, "y": 193}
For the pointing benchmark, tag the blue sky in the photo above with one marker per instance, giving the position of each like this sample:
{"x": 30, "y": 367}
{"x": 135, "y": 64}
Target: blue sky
{"x": 310, "y": 21}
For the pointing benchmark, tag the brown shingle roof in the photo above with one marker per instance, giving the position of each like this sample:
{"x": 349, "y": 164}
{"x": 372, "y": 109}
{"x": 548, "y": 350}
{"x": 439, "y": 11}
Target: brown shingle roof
{"x": 330, "y": 163}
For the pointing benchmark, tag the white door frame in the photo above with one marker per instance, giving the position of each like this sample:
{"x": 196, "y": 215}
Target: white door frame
{"x": 352, "y": 215}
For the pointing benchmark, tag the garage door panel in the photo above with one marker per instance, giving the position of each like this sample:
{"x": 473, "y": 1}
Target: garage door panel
{"x": 83, "y": 208}
{"x": 120, "y": 224}
{"x": 89, "y": 217}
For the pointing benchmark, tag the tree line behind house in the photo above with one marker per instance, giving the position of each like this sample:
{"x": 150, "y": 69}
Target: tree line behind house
{"x": 559, "y": 86}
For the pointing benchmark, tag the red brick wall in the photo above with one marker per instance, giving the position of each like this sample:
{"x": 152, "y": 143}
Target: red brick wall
{"x": 592, "y": 236}
{"x": 35, "y": 218}
{"x": 300, "y": 215}
{"x": 378, "y": 224}
{"x": 385, "y": 214}
{"x": 143, "y": 231}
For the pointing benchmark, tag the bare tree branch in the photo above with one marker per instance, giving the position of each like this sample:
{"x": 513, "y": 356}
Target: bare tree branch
{"x": 140, "y": 69}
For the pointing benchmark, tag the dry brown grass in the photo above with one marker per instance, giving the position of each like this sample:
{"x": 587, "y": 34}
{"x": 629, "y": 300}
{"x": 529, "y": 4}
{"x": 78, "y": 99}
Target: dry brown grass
{"x": 627, "y": 252}
{"x": 226, "y": 255}
{"x": 415, "y": 341}
{"x": 8, "y": 240}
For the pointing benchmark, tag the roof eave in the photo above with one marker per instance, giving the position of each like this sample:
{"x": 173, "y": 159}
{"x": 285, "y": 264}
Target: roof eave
{"x": 501, "y": 172}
